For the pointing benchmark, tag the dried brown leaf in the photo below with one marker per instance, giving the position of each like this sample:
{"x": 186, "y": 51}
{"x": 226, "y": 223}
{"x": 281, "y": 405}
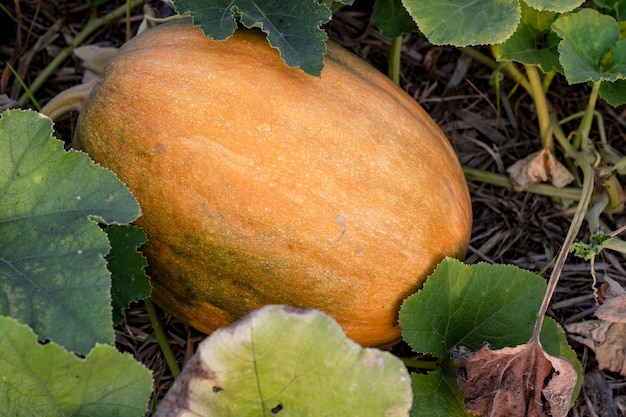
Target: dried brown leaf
{"x": 606, "y": 339}
{"x": 94, "y": 59}
{"x": 511, "y": 382}
{"x": 539, "y": 167}
{"x": 613, "y": 302}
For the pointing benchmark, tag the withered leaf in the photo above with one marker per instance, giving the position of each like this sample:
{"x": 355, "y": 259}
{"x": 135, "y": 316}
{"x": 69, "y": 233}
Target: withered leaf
{"x": 606, "y": 339}
{"x": 612, "y": 302}
{"x": 515, "y": 382}
{"x": 539, "y": 167}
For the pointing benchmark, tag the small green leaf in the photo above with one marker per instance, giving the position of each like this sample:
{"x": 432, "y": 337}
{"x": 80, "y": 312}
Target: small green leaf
{"x": 533, "y": 43}
{"x": 293, "y": 27}
{"x": 392, "y": 19}
{"x": 46, "y": 380}
{"x": 288, "y": 362}
{"x": 590, "y": 49}
{"x": 614, "y": 93}
{"x": 559, "y": 6}
{"x": 53, "y": 275}
{"x": 587, "y": 251}
{"x": 129, "y": 282}
{"x": 437, "y": 394}
{"x": 463, "y": 23}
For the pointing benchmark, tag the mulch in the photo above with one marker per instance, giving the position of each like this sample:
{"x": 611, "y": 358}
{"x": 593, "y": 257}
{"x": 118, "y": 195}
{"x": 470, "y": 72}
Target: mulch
{"x": 510, "y": 227}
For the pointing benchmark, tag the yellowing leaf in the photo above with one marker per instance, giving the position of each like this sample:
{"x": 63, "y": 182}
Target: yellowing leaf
{"x": 288, "y": 362}
{"x": 612, "y": 301}
{"x": 46, "y": 380}
{"x": 606, "y": 339}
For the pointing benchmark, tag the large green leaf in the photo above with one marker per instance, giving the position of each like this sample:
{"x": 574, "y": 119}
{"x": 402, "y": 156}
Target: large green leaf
{"x": 590, "y": 48}
{"x": 46, "y": 380}
{"x": 462, "y": 305}
{"x": 53, "y": 274}
{"x": 465, "y": 22}
{"x": 292, "y": 26}
{"x": 469, "y": 305}
{"x": 533, "y": 43}
{"x": 292, "y": 363}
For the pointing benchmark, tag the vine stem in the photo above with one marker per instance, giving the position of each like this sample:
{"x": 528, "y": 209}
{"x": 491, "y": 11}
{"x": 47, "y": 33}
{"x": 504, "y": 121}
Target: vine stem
{"x": 567, "y": 193}
{"x": 576, "y": 224}
{"x": 541, "y": 105}
{"x": 162, "y": 338}
{"x": 508, "y": 68}
{"x": 393, "y": 70}
{"x": 585, "y": 124}
{"x": 89, "y": 28}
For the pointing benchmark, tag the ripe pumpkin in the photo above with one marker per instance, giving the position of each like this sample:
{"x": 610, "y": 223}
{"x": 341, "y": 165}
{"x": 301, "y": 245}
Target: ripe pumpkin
{"x": 260, "y": 184}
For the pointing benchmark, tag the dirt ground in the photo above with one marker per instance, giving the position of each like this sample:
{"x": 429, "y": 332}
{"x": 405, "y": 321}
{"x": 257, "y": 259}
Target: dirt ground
{"x": 510, "y": 227}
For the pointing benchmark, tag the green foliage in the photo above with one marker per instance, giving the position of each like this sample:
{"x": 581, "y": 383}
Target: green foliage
{"x": 533, "y": 43}
{"x": 392, "y": 19}
{"x": 560, "y": 6}
{"x": 46, "y": 380}
{"x": 590, "y": 49}
{"x": 293, "y": 27}
{"x": 298, "y": 362}
{"x": 129, "y": 282}
{"x": 53, "y": 273}
{"x": 468, "y": 306}
{"x": 615, "y": 8}
{"x": 462, "y": 23}
{"x": 589, "y": 250}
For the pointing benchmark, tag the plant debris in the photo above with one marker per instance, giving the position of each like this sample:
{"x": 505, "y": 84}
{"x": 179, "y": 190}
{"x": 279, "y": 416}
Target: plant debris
{"x": 515, "y": 382}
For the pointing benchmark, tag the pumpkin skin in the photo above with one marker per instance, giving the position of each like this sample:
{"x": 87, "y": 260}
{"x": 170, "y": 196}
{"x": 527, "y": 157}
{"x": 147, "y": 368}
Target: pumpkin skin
{"x": 260, "y": 184}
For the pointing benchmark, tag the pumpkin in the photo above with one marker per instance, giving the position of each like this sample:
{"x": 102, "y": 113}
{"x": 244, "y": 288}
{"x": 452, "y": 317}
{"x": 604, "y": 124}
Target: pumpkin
{"x": 260, "y": 184}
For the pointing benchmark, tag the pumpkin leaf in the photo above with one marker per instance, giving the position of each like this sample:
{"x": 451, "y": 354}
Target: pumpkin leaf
{"x": 293, "y": 27}
{"x": 469, "y": 306}
{"x": 46, "y": 380}
{"x": 463, "y": 23}
{"x": 533, "y": 43}
{"x": 614, "y": 93}
{"x": 590, "y": 47}
{"x": 481, "y": 300}
{"x": 615, "y": 8}
{"x": 392, "y": 19}
{"x": 129, "y": 282}
{"x": 559, "y": 6}
{"x": 289, "y": 362}
{"x": 53, "y": 274}
{"x": 437, "y": 394}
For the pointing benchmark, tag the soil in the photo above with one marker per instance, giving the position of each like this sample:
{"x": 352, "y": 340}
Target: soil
{"x": 510, "y": 227}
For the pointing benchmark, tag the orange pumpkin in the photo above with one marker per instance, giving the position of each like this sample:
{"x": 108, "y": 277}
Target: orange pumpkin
{"x": 260, "y": 184}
